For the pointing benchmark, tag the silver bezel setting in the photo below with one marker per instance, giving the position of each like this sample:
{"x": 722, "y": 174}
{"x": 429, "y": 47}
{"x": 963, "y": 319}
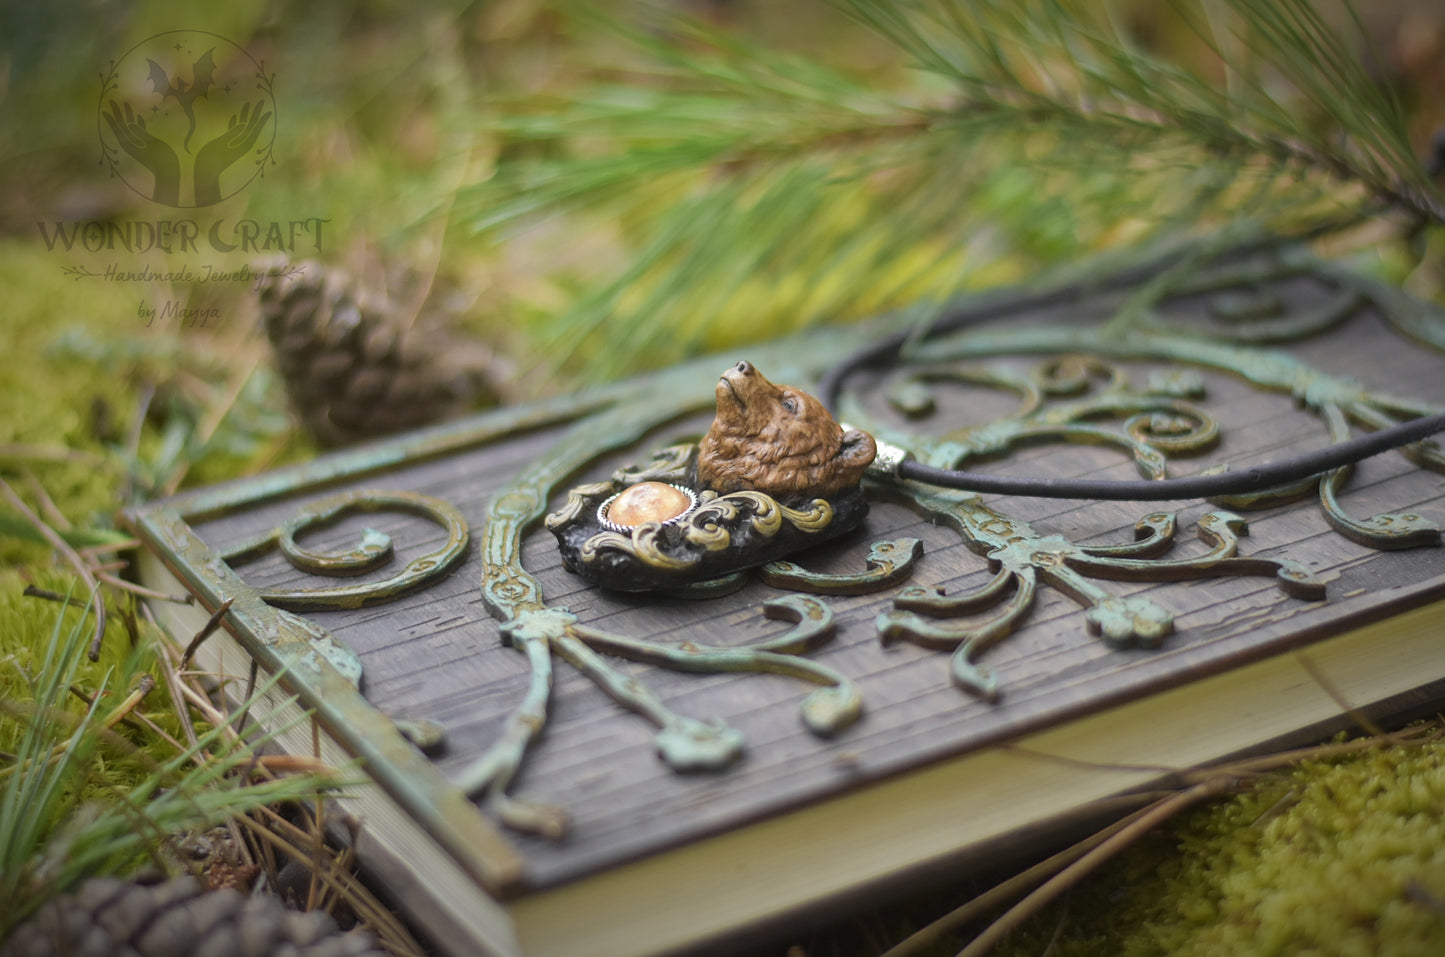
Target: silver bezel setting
{"x": 612, "y": 526}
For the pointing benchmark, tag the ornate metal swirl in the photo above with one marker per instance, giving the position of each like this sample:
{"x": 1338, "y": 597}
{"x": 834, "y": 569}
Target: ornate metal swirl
{"x": 372, "y": 551}
{"x": 685, "y": 744}
{"x": 1066, "y": 397}
{"x": 1155, "y": 422}
{"x": 711, "y": 528}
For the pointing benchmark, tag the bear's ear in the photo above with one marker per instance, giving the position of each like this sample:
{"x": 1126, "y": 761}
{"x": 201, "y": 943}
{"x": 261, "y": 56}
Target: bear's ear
{"x": 858, "y": 449}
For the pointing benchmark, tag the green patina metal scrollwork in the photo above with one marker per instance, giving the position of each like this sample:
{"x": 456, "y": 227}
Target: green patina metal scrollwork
{"x": 825, "y": 712}
{"x": 1077, "y": 392}
{"x": 889, "y": 562}
{"x": 1245, "y": 306}
{"x": 1068, "y": 398}
{"x": 1156, "y": 422}
{"x": 1021, "y": 558}
{"x": 1387, "y": 530}
{"x": 372, "y": 551}
{"x": 684, "y": 743}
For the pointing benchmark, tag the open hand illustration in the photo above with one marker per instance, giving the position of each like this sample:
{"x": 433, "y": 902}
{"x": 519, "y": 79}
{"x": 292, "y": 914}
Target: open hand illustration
{"x": 220, "y": 153}
{"x": 154, "y": 154}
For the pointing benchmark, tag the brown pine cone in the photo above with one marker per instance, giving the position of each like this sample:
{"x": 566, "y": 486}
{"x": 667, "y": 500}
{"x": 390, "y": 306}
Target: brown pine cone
{"x": 353, "y": 370}
{"x": 107, "y": 917}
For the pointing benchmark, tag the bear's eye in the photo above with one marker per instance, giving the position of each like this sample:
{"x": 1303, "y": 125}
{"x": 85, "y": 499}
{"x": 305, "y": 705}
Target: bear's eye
{"x": 791, "y": 404}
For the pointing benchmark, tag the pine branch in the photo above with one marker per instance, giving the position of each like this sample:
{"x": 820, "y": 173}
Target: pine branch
{"x": 758, "y": 192}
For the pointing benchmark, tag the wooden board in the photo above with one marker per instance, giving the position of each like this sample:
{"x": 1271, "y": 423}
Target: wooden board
{"x": 437, "y": 654}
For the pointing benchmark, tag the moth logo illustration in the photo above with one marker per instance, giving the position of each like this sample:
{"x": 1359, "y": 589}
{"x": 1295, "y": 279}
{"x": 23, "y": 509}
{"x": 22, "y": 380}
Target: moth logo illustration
{"x": 187, "y": 118}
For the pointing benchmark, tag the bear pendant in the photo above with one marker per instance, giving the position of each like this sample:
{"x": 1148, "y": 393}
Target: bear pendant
{"x": 774, "y": 474}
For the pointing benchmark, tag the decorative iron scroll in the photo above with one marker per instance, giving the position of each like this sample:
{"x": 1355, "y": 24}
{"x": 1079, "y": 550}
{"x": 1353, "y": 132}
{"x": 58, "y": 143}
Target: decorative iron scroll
{"x": 1078, "y": 393}
{"x": 1161, "y": 425}
{"x": 1021, "y": 558}
{"x": 373, "y": 551}
{"x": 686, "y": 744}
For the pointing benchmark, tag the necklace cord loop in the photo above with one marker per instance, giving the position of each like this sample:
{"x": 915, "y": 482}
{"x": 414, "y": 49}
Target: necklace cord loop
{"x": 1252, "y": 479}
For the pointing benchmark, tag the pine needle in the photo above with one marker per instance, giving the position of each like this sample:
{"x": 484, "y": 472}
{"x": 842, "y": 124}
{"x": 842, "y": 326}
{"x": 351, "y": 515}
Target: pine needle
{"x": 757, "y": 191}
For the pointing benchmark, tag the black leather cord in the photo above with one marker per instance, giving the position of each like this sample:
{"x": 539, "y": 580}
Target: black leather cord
{"x": 1253, "y": 479}
{"x": 1256, "y": 478}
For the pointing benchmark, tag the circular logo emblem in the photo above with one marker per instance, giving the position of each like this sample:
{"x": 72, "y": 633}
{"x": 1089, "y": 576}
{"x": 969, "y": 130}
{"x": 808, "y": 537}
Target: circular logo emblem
{"x": 186, "y": 118}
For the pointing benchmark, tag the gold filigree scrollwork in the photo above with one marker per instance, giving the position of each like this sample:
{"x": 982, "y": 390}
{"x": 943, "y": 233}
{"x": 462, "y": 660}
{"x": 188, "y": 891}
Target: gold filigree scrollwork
{"x": 721, "y": 530}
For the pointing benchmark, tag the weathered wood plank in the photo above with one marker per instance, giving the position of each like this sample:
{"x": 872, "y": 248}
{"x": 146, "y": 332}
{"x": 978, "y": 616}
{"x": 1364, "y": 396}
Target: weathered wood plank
{"x": 437, "y": 654}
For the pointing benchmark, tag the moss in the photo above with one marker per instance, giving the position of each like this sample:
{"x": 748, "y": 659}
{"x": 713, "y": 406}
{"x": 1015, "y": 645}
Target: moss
{"x": 47, "y": 399}
{"x": 1334, "y": 859}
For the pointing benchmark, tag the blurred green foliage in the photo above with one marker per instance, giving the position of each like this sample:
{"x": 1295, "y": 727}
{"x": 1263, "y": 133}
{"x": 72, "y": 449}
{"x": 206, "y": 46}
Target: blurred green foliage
{"x": 603, "y": 187}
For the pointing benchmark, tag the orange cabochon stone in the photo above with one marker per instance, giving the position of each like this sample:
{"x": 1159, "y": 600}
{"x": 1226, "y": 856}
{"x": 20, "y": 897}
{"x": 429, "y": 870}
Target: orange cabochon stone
{"x": 648, "y": 502}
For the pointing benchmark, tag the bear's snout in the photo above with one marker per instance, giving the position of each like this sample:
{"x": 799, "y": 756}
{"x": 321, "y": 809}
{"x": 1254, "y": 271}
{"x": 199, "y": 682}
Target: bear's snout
{"x": 737, "y": 382}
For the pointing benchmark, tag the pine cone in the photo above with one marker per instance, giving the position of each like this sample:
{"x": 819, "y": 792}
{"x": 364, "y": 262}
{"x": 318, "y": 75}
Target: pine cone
{"x": 352, "y": 369}
{"x": 113, "y": 918}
